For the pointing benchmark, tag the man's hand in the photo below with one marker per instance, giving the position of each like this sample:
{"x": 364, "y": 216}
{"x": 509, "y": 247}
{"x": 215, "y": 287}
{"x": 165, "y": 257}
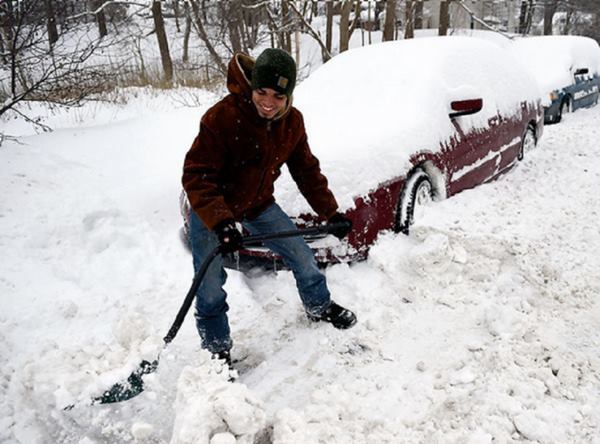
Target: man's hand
{"x": 229, "y": 236}
{"x": 344, "y": 228}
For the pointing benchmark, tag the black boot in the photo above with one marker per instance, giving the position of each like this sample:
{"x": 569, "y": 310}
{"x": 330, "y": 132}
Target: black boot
{"x": 337, "y": 315}
{"x": 224, "y": 355}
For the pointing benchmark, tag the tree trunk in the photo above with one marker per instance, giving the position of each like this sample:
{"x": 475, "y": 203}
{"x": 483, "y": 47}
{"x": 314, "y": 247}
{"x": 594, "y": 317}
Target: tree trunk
{"x": 252, "y": 23}
{"x": 100, "y": 17}
{"x": 419, "y": 14}
{"x": 409, "y": 19}
{"x": 567, "y": 25}
{"x": 297, "y": 46}
{"x": 286, "y": 37}
{"x": 510, "y": 10}
{"x": 163, "y": 44}
{"x": 390, "y": 21}
{"x": 530, "y": 12}
{"x": 525, "y": 16}
{"x": 444, "y": 18}
{"x": 549, "y": 10}
{"x": 329, "y": 26}
{"x": 176, "y": 12}
{"x": 314, "y": 10}
{"x": 522, "y": 16}
{"x": 51, "y": 23}
{"x": 371, "y": 22}
{"x": 187, "y": 31}
{"x": 233, "y": 25}
{"x": 345, "y": 25}
{"x": 7, "y": 20}
{"x": 2, "y": 47}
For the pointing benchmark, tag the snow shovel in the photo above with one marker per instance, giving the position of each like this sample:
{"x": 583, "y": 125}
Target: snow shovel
{"x": 134, "y": 385}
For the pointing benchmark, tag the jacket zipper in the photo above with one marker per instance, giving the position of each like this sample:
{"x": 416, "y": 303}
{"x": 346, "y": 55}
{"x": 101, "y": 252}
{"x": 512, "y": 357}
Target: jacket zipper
{"x": 267, "y": 159}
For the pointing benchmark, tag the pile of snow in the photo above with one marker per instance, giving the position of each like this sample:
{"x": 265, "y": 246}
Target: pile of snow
{"x": 554, "y": 59}
{"x": 211, "y": 409}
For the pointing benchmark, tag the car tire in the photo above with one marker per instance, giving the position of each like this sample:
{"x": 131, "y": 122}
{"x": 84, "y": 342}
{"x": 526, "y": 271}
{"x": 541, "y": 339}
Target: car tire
{"x": 417, "y": 191}
{"x": 528, "y": 142}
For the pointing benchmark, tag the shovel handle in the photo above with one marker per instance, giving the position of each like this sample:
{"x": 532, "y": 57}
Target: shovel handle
{"x": 253, "y": 240}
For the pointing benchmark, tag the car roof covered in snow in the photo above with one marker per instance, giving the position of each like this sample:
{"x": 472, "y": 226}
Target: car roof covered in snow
{"x": 369, "y": 109}
{"x": 552, "y": 60}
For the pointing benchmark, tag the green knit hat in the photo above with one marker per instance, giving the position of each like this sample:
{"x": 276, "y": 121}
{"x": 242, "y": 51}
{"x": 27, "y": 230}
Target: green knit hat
{"x": 275, "y": 69}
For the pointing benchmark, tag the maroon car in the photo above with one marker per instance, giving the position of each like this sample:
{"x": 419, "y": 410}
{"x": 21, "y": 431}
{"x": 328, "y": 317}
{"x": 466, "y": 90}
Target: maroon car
{"x": 399, "y": 124}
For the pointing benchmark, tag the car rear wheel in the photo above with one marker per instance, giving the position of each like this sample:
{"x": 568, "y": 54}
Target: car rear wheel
{"x": 418, "y": 192}
{"x": 528, "y": 143}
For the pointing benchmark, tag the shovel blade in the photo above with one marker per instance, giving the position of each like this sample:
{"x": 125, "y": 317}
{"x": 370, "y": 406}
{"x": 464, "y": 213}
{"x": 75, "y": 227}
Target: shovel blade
{"x": 122, "y": 391}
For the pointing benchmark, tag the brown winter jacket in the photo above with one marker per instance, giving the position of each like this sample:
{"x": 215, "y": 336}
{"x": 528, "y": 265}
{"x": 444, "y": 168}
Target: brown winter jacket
{"x": 232, "y": 165}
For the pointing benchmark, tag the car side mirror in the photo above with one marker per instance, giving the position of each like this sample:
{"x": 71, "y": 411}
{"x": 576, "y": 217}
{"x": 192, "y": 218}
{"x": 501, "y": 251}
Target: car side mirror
{"x": 465, "y": 107}
{"x": 581, "y": 71}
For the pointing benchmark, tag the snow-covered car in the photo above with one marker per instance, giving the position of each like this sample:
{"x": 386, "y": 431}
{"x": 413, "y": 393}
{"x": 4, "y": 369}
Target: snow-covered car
{"x": 567, "y": 69}
{"x": 399, "y": 124}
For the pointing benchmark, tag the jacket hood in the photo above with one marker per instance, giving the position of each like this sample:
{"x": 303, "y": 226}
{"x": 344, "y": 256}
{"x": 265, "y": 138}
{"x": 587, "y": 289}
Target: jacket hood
{"x": 239, "y": 75}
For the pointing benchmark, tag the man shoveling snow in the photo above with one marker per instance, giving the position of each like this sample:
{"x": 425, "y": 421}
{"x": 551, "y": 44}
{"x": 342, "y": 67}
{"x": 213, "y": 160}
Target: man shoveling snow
{"x": 228, "y": 176}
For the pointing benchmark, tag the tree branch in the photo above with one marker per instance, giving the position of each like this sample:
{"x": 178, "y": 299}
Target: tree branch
{"x": 481, "y": 22}
{"x": 108, "y": 3}
{"x": 311, "y": 31}
{"x": 4, "y": 137}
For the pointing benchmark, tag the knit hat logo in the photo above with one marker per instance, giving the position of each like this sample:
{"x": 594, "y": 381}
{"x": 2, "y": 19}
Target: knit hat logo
{"x": 282, "y": 82}
{"x": 275, "y": 69}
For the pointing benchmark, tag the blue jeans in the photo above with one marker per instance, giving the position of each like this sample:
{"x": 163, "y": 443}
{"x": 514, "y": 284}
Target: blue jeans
{"x": 211, "y": 305}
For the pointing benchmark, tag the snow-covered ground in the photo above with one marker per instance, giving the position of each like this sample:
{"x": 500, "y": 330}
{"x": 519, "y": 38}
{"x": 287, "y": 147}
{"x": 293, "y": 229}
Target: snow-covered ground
{"x": 482, "y": 327}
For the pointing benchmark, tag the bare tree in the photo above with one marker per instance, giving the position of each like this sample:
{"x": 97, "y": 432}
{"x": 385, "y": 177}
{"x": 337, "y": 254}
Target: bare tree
{"x": 347, "y": 27}
{"x": 51, "y": 23}
{"x": 475, "y": 18}
{"x": 329, "y": 25}
{"x": 163, "y": 43}
{"x": 526, "y": 16}
{"x": 97, "y": 6}
{"x": 550, "y": 7}
{"x": 580, "y": 17}
{"x": 419, "y": 14}
{"x": 177, "y": 14}
{"x": 310, "y": 30}
{"x": 198, "y": 22}
{"x": 36, "y": 72}
{"x": 187, "y": 31}
{"x": 252, "y": 21}
{"x": 285, "y": 36}
{"x": 409, "y": 19}
{"x": 590, "y": 25}
{"x": 444, "y": 17}
{"x": 231, "y": 12}
{"x": 389, "y": 27}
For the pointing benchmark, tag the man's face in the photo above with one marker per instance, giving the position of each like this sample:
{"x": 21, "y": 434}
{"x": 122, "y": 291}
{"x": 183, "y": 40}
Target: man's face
{"x": 268, "y": 102}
